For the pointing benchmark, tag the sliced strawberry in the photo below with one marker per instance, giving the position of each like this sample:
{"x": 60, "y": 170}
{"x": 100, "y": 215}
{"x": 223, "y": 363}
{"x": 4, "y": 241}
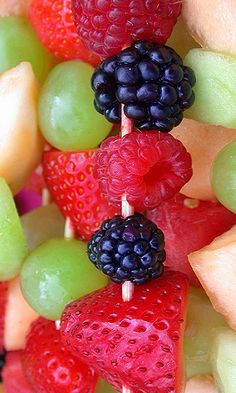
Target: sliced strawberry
{"x": 54, "y": 23}
{"x": 70, "y": 179}
{"x": 3, "y": 299}
{"x": 137, "y": 344}
{"x": 50, "y": 367}
{"x": 188, "y": 225}
{"x": 14, "y": 380}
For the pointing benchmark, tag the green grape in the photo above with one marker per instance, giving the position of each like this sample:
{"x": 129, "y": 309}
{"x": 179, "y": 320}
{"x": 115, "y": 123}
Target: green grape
{"x": 57, "y": 272}
{"x": 18, "y": 42}
{"x": 42, "y": 224}
{"x": 13, "y": 247}
{"x": 223, "y": 176}
{"x": 201, "y": 320}
{"x": 104, "y": 387}
{"x": 67, "y": 115}
{"x": 215, "y": 88}
{"x": 223, "y": 360}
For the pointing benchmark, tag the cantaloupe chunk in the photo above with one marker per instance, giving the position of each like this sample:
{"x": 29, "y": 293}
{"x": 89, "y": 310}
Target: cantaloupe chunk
{"x": 203, "y": 142}
{"x": 14, "y": 7}
{"x": 215, "y": 266}
{"x": 201, "y": 384}
{"x": 18, "y": 318}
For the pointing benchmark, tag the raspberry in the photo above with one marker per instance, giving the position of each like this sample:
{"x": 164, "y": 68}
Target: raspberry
{"x": 53, "y": 21}
{"x": 106, "y": 26}
{"x": 152, "y": 83}
{"x": 129, "y": 248}
{"x": 149, "y": 167}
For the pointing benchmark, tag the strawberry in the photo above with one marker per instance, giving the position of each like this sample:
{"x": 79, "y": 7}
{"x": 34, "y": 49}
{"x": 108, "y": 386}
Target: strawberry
{"x": 54, "y": 23}
{"x": 138, "y": 344}
{"x": 3, "y": 298}
{"x": 188, "y": 225}
{"x": 14, "y": 380}
{"x": 70, "y": 179}
{"x": 50, "y": 367}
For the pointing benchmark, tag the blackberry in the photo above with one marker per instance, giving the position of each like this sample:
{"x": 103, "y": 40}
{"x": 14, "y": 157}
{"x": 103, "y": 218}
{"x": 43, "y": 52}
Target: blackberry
{"x": 128, "y": 249}
{"x": 152, "y": 83}
{"x": 2, "y": 362}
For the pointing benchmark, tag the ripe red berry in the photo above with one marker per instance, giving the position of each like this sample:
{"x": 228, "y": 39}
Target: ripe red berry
{"x": 189, "y": 225}
{"x": 50, "y": 367}
{"x": 107, "y": 26}
{"x": 14, "y": 380}
{"x": 54, "y": 23}
{"x": 3, "y": 298}
{"x": 70, "y": 179}
{"x": 149, "y": 167}
{"x": 138, "y": 344}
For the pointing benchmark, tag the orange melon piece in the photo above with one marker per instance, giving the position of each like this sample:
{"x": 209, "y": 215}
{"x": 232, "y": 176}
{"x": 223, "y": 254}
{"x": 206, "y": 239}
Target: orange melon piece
{"x": 180, "y": 39}
{"x": 212, "y": 23}
{"x": 215, "y": 267}
{"x": 21, "y": 144}
{"x": 203, "y": 142}
{"x": 201, "y": 384}
{"x": 18, "y": 318}
{"x": 14, "y": 7}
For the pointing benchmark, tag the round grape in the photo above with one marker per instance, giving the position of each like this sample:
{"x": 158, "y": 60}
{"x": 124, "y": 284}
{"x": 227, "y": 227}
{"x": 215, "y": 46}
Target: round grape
{"x": 67, "y": 116}
{"x": 223, "y": 176}
{"x": 57, "y": 272}
{"x": 19, "y": 42}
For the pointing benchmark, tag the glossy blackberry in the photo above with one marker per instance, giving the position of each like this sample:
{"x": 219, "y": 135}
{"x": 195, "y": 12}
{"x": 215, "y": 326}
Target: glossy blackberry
{"x": 2, "y": 363}
{"x": 128, "y": 249}
{"x": 152, "y": 83}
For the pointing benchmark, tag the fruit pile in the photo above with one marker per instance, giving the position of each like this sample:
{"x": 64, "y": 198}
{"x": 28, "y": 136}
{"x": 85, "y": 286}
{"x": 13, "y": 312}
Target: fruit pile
{"x": 117, "y": 197}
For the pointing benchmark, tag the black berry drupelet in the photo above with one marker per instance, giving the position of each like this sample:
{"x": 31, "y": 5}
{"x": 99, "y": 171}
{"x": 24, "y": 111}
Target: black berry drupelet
{"x": 128, "y": 249}
{"x": 152, "y": 83}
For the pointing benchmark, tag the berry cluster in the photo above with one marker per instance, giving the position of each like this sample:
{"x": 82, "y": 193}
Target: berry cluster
{"x": 129, "y": 248}
{"x": 151, "y": 82}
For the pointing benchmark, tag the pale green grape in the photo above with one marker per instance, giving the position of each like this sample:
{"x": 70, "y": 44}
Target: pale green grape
{"x": 223, "y": 176}
{"x": 223, "y": 360}
{"x": 215, "y": 88}
{"x": 67, "y": 115}
{"x": 201, "y": 320}
{"x": 13, "y": 247}
{"x": 57, "y": 272}
{"x": 18, "y": 42}
{"x": 42, "y": 224}
{"x": 104, "y": 387}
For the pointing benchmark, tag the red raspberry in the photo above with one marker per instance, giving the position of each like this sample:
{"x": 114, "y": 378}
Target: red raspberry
{"x": 107, "y": 26}
{"x": 49, "y": 367}
{"x": 53, "y": 21}
{"x": 148, "y": 167}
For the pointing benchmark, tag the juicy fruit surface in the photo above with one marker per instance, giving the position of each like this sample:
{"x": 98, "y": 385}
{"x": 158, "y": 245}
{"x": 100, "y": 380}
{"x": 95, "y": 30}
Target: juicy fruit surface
{"x": 202, "y": 320}
{"x": 188, "y": 225}
{"x": 128, "y": 249}
{"x": 50, "y": 367}
{"x": 55, "y": 26}
{"x": 108, "y": 26}
{"x": 180, "y": 39}
{"x": 3, "y": 299}
{"x": 56, "y": 273}
{"x": 67, "y": 116}
{"x": 14, "y": 7}
{"x": 151, "y": 82}
{"x": 20, "y": 140}
{"x": 223, "y": 178}
{"x": 12, "y": 241}
{"x": 201, "y": 384}
{"x": 203, "y": 142}
{"x": 215, "y": 267}
{"x": 206, "y": 21}
{"x": 18, "y": 317}
{"x": 18, "y": 42}
{"x": 214, "y": 89}
{"x": 104, "y": 387}
{"x": 42, "y": 224}
{"x": 14, "y": 380}
{"x": 137, "y": 344}
{"x": 223, "y": 359}
{"x": 70, "y": 179}
{"x": 148, "y": 167}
